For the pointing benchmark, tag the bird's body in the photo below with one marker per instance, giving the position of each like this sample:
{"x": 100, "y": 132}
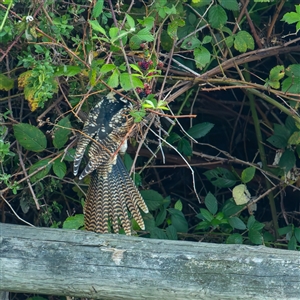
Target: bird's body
{"x": 111, "y": 192}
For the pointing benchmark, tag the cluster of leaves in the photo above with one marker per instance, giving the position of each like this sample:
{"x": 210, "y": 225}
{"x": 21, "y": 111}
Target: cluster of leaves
{"x": 79, "y": 52}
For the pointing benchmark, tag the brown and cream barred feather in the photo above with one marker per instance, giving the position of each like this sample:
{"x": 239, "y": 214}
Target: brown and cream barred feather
{"x": 111, "y": 192}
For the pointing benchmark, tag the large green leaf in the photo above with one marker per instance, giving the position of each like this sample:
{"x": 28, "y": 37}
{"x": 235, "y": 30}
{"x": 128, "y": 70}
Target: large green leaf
{"x": 243, "y": 40}
{"x": 200, "y": 130}
{"x": 235, "y": 238}
{"x": 98, "y": 8}
{"x": 30, "y": 137}
{"x": 171, "y": 232}
{"x": 41, "y": 174}
{"x": 178, "y": 220}
{"x": 62, "y": 132}
{"x": 217, "y": 16}
{"x": 211, "y": 203}
{"x": 202, "y": 57}
{"x": 230, "y": 4}
{"x": 221, "y": 177}
{"x": 287, "y": 160}
{"x": 152, "y": 198}
{"x": 255, "y": 237}
{"x": 237, "y": 223}
{"x": 59, "y": 168}
{"x": 184, "y": 147}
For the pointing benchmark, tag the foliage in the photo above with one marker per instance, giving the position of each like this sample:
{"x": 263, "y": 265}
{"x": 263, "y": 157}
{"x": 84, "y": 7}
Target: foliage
{"x": 215, "y": 97}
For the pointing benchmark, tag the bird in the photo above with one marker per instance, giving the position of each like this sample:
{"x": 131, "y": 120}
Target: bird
{"x": 111, "y": 193}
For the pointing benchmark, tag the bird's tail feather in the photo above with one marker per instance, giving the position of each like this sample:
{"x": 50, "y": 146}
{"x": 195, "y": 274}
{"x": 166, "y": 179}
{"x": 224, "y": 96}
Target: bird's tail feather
{"x": 109, "y": 197}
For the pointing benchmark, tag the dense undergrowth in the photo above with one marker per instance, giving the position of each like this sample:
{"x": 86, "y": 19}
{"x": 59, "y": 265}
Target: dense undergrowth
{"x": 218, "y": 83}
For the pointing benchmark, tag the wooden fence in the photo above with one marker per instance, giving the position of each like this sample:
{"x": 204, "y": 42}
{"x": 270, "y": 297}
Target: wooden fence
{"x": 85, "y": 264}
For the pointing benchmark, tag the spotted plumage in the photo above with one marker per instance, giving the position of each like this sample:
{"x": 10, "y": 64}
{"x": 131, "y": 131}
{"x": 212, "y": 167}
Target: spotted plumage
{"x": 111, "y": 193}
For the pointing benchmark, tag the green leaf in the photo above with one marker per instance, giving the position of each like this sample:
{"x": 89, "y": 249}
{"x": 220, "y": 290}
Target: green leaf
{"x": 190, "y": 43}
{"x": 250, "y": 222}
{"x": 297, "y": 234}
{"x": 200, "y": 130}
{"x": 149, "y": 222}
{"x": 173, "y": 26}
{"x": 62, "y": 132}
{"x": 211, "y": 203}
{"x": 128, "y": 161}
{"x": 203, "y": 225}
{"x": 292, "y": 245}
{"x": 107, "y": 68}
{"x": 237, "y": 223}
{"x": 59, "y": 168}
{"x": 221, "y": 177}
{"x": 234, "y": 238}
{"x": 178, "y": 205}
{"x": 30, "y": 137}
{"x": 184, "y": 147}
{"x": 178, "y": 220}
{"x": 290, "y": 124}
{"x": 126, "y": 84}
{"x": 280, "y": 137}
{"x": 287, "y": 160}
{"x": 291, "y": 85}
{"x": 293, "y": 70}
{"x": 217, "y": 16}
{"x": 230, "y": 208}
{"x": 98, "y": 8}
{"x": 277, "y": 73}
{"x": 294, "y": 138}
{"x": 278, "y": 141}
{"x": 173, "y": 137}
{"x": 202, "y": 57}
{"x": 171, "y": 232}
{"x": 285, "y": 230}
{"x": 230, "y": 4}
{"x": 147, "y": 22}
{"x": 157, "y": 233}
{"x": 6, "y": 83}
{"x": 113, "y": 32}
{"x": 41, "y": 174}
{"x": 152, "y": 198}
{"x": 67, "y": 71}
{"x": 97, "y": 27}
{"x": 268, "y": 237}
{"x": 145, "y": 35}
{"x": 70, "y": 155}
{"x": 74, "y": 222}
{"x": 130, "y": 21}
{"x": 136, "y": 68}
{"x": 255, "y": 237}
{"x": 256, "y": 226}
{"x": 248, "y": 174}
{"x": 243, "y": 40}
{"x": 206, "y": 40}
{"x": 205, "y": 215}
{"x": 113, "y": 80}
{"x": 291, "y": 17}
{"x": 161, "y": 216}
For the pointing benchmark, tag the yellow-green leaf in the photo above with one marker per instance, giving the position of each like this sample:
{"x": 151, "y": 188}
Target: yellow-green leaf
{"x": 6, "y": 83}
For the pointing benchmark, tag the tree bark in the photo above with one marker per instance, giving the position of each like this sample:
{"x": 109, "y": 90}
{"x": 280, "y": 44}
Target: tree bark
{"x": 85, "y": 264}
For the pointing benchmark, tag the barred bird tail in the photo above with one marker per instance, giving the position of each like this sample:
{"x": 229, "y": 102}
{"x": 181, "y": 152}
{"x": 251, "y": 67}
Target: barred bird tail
{"x": 110, "y": 196}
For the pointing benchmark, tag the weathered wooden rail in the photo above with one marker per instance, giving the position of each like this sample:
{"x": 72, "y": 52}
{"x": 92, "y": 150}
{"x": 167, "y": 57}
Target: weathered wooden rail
{"x": 85, "y": 264}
